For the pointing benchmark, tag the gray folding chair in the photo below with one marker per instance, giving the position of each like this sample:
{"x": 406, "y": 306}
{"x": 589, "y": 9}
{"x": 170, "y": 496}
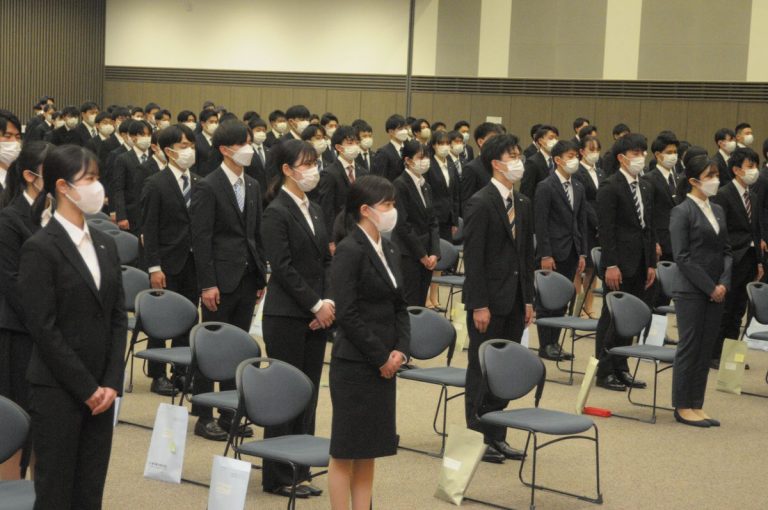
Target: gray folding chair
{"x": 757, "y": 293}
{"x": 134, "y": 281}
{"x": 431, "y": 335}
{"x": 98, "y": 216}
{"x": 127, "y": 246}
{"x": 103, "y": 224}
{"x": 554, "y": 291}
{"x": 162, "y": 314}
{"x": 272, "y": 392}
{"x": 449, "y": 256}
{"x": 217, "y": 350}
{"x": 665, "y": 273}
{"x": 629, "y": 317}
{"x": 14, "y": 427}
{"x": 510, "y": 371}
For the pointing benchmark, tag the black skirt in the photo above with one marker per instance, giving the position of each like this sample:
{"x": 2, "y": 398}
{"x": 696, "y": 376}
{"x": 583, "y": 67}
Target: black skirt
{"x": 364, "y": 419}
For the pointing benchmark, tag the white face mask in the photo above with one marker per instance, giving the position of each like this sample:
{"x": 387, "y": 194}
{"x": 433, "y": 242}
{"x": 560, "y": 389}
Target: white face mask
{"x": 550, "y": 144}
{"x": 668, "y": 161}
{"x": 9, "y": 151}
{"x": 425, "y": 133}
{"x": 90, "y": 119}
{"x": 572, "y": 166}
{"x": 748, "y": 139}
{"x": 330, "y": 132}
{"x": 320, "y": 146}
{"x": 106, "y": 129}
{"x": 210, "y": 128}
{"x": 366, "y": 143}
{"x": 259, "y": 137}
{"x": 465, "y": 136}
{"x": 515, "y": 170}
{"x": 309, "y": 179}
{"x": 243, "y": 156}
{"x": 143, "y": 142}
{"x": 163, "y": 124}
{"x": 635, "y": 166}
{"x": 729, "y": 146}
{"x": 58, "y": 123}
{"x": 420, "y": 167}
{"x": 185, "y": 158}
{"x": 351, "y": 152}
{"x": 710, "y": 187}
{"x": 592, "y": 158}
{"x": 281, "y": 127}
{"x": 191, "y": 125}
{"x": 385, "y": 221}
{"x": 401, "y": 135}
{"x": 71, "y": 122}
{"x": 91, "y": 197}
{"x": 443, "y": 151}
{"x": 301, "y": 125}
{"x": 457, "y": 149}
{"x": 750, "y": 176}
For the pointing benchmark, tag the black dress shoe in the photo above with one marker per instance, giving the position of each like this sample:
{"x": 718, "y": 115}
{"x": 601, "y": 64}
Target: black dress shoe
{"x": 493, "y": 456}
{"x": 610, "y": 382}
{"x": 301, "y": 491}
{"x": 242, "y": 431}
{"x": 313, "y": 491}
{"x": 693, "y": 423}
{"x": 162, "y": 386}
{"x": 209, "y": 429}
{"x": 551, "y": 352}
{"x": 567, "y": 356}
{"x": 507, "y": 451}
{"x": 629, "y": 381}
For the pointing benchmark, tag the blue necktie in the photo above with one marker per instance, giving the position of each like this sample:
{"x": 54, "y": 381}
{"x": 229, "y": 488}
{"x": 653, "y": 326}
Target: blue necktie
{"x": 239, "y": 194}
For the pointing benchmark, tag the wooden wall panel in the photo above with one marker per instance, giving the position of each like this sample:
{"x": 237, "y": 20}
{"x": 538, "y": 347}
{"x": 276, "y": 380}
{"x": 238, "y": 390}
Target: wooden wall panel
{"x": 609, "y": 112}
{"x": 274, "y": 98}
{"x": 659, "y": 115}
{"x": 526, "y": 111}
{"x": 243, "y": 99}
{"x": 375, "y": 107}
{"x": 421, "y": 106}
{"x": 757, "y": 116}
{"x": 706, "y": 117}
{"x": 566, "y": 109}
{"x": 486, "y": 105}
{"x": 345, "y": 104}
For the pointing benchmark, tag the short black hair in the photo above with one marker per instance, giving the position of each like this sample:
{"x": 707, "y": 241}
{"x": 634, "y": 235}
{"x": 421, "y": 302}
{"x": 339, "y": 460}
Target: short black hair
{"x": 247, "y": 116}
{"x": 136, "y": 109}
{"x": 631, "y": 142}
{"x": 362, "y": 127}
{"x": 138, "y": 127}
{"x": 496, "y": 147}
{"x": 620, "y": 128}
{"x": 343, "y": 133}
{"x": 208, "y": 104}
{"x": 543, "y": 130}
{"x": 120, "y": 111}
{"x": 327, "y": 118}
{"x": 207, "y": 114}
{"x": 276, "y": 114}
{"x": 484, "y": 129}
{"x": 440, "y": 137}
{"x": 125, "y": 126}
{"x": 587, "y": 131}
{"x": 413, "y": 147}
{"x": 311, "y": 131}
{"x": 533, "y": 130}
{"x": 741, "y": 126}
{"x": 723, "y": 134}
{"x": 584, "y": 142}
{"x": 7, "y": 117}
{"x": 232, "y": 132}
{"x": 159, "y": 114}
{"x": 416, "y": 125}
{"x": 741, "y": 155}
{"x": 563, "y": 146}
{"x": 88, "y": 105}
{"x": 101, "y": 116}
{"x": 438, "y": 124}
{"x": 662, "y": 142}
{"x": 184, "y": 115}
{"x": 298, "y": 111}
{"x": 257, "y": 122}
{"x": 70, "y": 111}
{"x": 228, "y": 117}
{"x": 455, "y": 135}
{"x": 173, "y": 134}
{"x": 579, "y": 122}
{"x": 460, "y": 124}
{"x": 150, "y": 107}
{"x": 394, "y": 122}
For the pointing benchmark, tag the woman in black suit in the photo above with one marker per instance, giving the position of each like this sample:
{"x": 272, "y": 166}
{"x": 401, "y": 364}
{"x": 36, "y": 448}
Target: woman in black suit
{"x": 702, "y": 252}
{"x": 21, "y": 188}
{"x": 296, "y": 311}
{"x": 72, "y": 296}
{"x": 372, "y": 342}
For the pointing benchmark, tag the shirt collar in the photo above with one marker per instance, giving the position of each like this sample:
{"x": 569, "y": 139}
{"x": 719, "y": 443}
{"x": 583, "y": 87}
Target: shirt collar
{"x": 3, "y": 174}
{"x": 418, "y": 180}
{"x": 231, "y": 175}
{"x": 376, "y": 245}
{"x": 628, "y": 177}
{"x": 139, "y": 152}
{"x": 29, "y": 199}
{"x": 505, "y": 192}
{"x": 74, "y": 232}
{"x": 741, "y": 189}
{"x": 299, "y": 201}
{"x": 663, "y": 171}
{"x": 698, "y": 201}
{"x": 397, "y": 144}
{"x": 562, "y": 179}
{"x": 208, "y": 137}
{"x": 178, "y": 173}
{"x": 547, "y": 157}
{"x": 101, "y": 137}
{"x": 724, "y": 154}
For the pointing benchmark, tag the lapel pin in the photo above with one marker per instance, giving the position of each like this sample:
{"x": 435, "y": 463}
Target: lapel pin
{"x": 102, "y": 247}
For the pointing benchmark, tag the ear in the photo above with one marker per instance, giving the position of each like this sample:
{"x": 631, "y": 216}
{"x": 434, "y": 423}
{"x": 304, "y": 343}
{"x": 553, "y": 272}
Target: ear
{"x": 61, "y": 186}
{"x": 286, "y": 169}
{"x": 28, "y": 177}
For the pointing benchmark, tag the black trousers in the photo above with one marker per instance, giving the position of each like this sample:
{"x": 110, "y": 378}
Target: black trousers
{"x": 477, "y": 399}
{"x": 184, "y": 283}
{"x": 72, "y": 448}
{"x": 736, "y": 300}
{"x": 235, "y": 308}
{"x": 698, "y": 322}
{"x": 416, "y": 280}
{"x": 289, "y": 339}
{"x": 606, "y": 338}
{"x": 550, "y": 336}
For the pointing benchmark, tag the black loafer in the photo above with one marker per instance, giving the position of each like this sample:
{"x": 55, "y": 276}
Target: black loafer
{"x": 713, "y": 422}
{"x": 162, "y": 386}
{"x": 507, "y": 451}
{"x": 301, "y": 491}
{"x": 552, "y": 353}
{"x": 493, "y": 456}
{"x": 610, "y": 382}
{"x": 313, "y": 491}
{"x": 629, "y": 381}
{"x": 209, "y": 429}
{"x": 693, "y": 423}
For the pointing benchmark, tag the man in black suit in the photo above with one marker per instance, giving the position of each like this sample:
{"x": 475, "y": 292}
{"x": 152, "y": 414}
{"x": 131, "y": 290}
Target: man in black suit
{"x": 725, "y": 139}
{"x": 157, "y": 161}
{"x": 278, "y": 127}
{"x": 298, "y": 121}
{"x": 609, "y": 164}
{"x": 105, "y": 127}
{"x": 10, "y": 133}
{"x": 87, "y": 127}
{"x": 462, "y": 127}
{"x": 106, "y": 172}
{"x": 540, "y": 165}
{"x": 561, "y": 234}
{"x": 226, "y": 242}
{"x": 206, "y": 159}
{"x": 365, "y": 134}
{"x": 498, "y": 290}
{"x": 166, "y": 229}
{"x": 330, "y": 123}
{"x": 475, "y": 175}
{"x": 388, "y": 161}
{"x": 742, "y": 219}
{"x": 532, "y": 148}
{"x": 625, "y": 209}
{"x": 68, "y": 133}
{"x": 128, "y": 178}
{"x": 443, "y": 179}
{"x": 744, "y": 135}
{"x": 258, "y": 167}
{"x": 578, "y": 125}
{"x": 42, "y": 127}
{"x": 35, "y": 120}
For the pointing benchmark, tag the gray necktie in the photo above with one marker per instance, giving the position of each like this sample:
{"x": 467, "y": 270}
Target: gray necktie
{"x": 239, "y": 194}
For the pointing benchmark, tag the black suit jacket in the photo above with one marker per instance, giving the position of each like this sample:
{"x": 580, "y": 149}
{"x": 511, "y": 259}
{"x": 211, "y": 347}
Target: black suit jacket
{"x": 37, "y": 132}
{"x": 300, "y": 259}
{"x": 332, "y": 191}
{"x": 446, "y": 197}
{"x": 530, "y": 150}
{"x": 560, "y": 229}
{"x": 371, "y": 313}
{"x": 474, "y": 177}
{"x": 258, "y": 170}
{"x": 609, "y": 164}
{"x": 387, "y": 162}
{"x": 16, "y": 227}
{"x": 360, "y": 161}
{"x": 226, "y": 242}
{"x": 726, "y": 174}
{"x": 271, "y": 139}
{"x": 329, "y": 156}
{"x": 590, "y": 191}
{"x": 742, "y": 231}
{"x": 62, "y": 136}
{"x": 79, "y": 331}
{"x": 84, "y": 132}
{"x": 762, "y": 198}
{"x": 536, "y": 170}
{"x": 416, "y": 233}
{"x": 107, "y": 173}
{"x": 165, "y": 222}
{"x": 127, "y": 182}
{"x": 94, "y": 144}
{"x": 207, "y": 159}
{"x": 497, "y": 267}
{"x": 663, "y": 202}
{"x": 625, "y": 242}
{"x": 469, "y": 153}
{"x": 151, "y": 167}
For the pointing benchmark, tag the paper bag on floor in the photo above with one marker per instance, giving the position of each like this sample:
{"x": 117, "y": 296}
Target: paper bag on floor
{"x": 586, "y": 384}
{"x": 464, "y": 450}
{"x": 166, "y": 450}
{"x": 458, "y": 317}
{"x": 229, "y": 483}
{"x": 732, "y": 360}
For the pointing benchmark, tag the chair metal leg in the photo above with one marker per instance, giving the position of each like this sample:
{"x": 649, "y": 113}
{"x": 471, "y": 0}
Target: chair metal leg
{"x": 292, "y": 499}
{"x": 442, "y": 399}
{"x": 129, "y": 357}
{"x": 654, "y": 407}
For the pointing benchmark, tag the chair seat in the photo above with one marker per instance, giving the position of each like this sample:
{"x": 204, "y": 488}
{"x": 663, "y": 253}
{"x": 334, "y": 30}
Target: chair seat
{"x": 452, "y": 280}
{"x": 226, "y": 399}
{"x": 664, "y": 310}
{"x": 178, "y": 356}
{"x": 539, "y": 420}
{"x": 652, "y": 352}
{"x": 17, "y": 495}
{"x": 568, "y": 322}
{"x": 759, "y": 335}
{"x": 449, "y": 376}
{"x": 300, "y": 449}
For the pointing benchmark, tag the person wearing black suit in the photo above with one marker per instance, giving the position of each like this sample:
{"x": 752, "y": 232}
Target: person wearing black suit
{"x": 444, "y": 182}
{"x": 278, "y": 125}
{"x": 372, "y": 342}
{"x": 298, "y": 120}
{"x": 532, "y": 147}
{"x": 42, "y": 127}
{"x": 315, "y": 135}
{"x": 725, "y": 139}
{"x": 388, "y": 161}
{"x": 128, "y": 178}
{"x": 105, "y": 126}
{"x": 365, "y": 134}
{"x": 258, "y": 167}
{"x": 739, "y": 204}
{"x": 474, "y": 175}
{"x": 561, "y": 234}
{"x": 166, "y": 231}
{"x": 578, "y": 124}
{"x": 462, "y": 126}
{"x": 297, "y": 310}
{"x": 226, "y": 241}
{"x": 540, "y": 165}
{"x": 417, "y": 233}
{"x": 35, "y": 120}
{"x": 68, "y": 133}
{"x": 206, "y": 158}
{"x": 702, "y": 252}
{"x": 10, "y": 136}
{"x": 609, "y": 163}
{"x": 87, "y": 127}
{"x": 498, "y": 288}
{"x": 625, "y": 209}
{"x": 107, "y": 172}
{"x": 72, "y": 296}
{"x": 157, "y": 161}
{"x": 762, "y": 199}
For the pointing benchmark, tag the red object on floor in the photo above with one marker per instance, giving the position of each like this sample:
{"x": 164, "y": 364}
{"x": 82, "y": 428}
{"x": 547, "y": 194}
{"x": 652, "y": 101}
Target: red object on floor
{"x": 597, "y": 411}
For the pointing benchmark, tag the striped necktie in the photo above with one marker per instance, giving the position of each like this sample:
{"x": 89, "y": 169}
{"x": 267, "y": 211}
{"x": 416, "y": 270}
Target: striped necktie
{"x": 239, "y": 194}
{"x": 748, "y": 204}
{"x": 636, "y": 196}
{"x": 511, "y": 214}
{"x": 567, "y": 186}
{"x": 186, "y": 190}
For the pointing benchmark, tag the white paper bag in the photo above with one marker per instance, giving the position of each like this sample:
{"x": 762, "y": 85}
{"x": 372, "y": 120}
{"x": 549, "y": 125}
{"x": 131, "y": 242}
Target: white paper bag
{"x": 657, "y": 332}
{"x": 116, "y": 409}
{"x": 166, "y": 451}
{"x": 229, "y": 483}
{"x": 525, "y": 340}
{"x": 257, "y": 319}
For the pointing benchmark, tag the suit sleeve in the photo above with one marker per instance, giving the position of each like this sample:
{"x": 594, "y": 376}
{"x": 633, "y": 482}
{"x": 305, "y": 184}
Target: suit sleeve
{"x": 725, "y": 278}
{"x": 379, "y": 164}
{"x": 583, "y": 223}
{"x": 541, "y": 221}
{"x": 10, "y": 247}
{"x": 475, "y": 237}
{"x": 150, "y": 222}
{"x": 606, "y": 210}
{"x": 529, "y": 291}
{"x": 113, "y": 375}
{"x": 119, "y": 182}
{"x": 468, "y": 183}
{"x": 257, "y": 234}
{"x": 327, "y": 191}
{"x": 202, "y": 212}
{"x": 434, "y": 230}
{"x": 529, "y": 180}
{"x": 403, "y": 229}
{"x": 680, "y": 229}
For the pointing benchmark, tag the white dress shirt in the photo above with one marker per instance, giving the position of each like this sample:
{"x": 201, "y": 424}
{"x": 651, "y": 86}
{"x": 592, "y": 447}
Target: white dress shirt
{"x": 380, "y": 252}
{"x": 503, "y": 190}
{"x": 706, "y": 208}
{"x": 419, "y": 182}
{"x": 3, "y": 175}
{"x": 457, "y": 164}
{"x": 178, "y": 174}
{"x": 140, "y": 153}
{"x": 82, "y": 240}
{"x": 232, "y": 177}
{"x": 346, "y": 165}
{"x": 563, "y": 180}
{"x": 397, "y": 145}
{"x": 444, "y": 168}
{"x": 592, "y": 171}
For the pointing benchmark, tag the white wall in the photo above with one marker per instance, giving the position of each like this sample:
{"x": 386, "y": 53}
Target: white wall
{"x": 328, "y": 36}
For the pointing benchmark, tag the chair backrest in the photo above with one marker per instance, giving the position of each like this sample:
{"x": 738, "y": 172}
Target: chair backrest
{"x": 597, "y": 255}
{"x": 104, "y": 225}
{"x": 511, "y": 370}
{"x": 14, "y": 427}
{"x": 553, "y": 290}
{"x": 449, "y": 255}
{"x": 431, "y": 333}
{"x": 127, "y": 245}
{"x": 458, "y": 237}
{"x": 757, "y": 292}
{"x": 98, "y": 216}
{"x": 629, "y": 314}
{"x": 666, "y": 272}
{"x": 164, "y": 314}
{"x": 271, "y": 391}
{"x": 219, "y": 348}
{"x": 134, "y": 281}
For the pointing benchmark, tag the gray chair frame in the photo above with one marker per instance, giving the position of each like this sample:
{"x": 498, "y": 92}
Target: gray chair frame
{"x": 14, "y": 429}
{"x": 103, "y": 224}
{"x": 757, "y": 294}
{"x": 665, "y": 273}
{"x": 127, "y": 246}
{"x": 431, "y": 335}
{"x": 451, "y": 253}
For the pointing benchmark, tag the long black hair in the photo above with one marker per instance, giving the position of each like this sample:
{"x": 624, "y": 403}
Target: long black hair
{"x": 30, "y": 158}
{"x": 367, "y": 190}
{"x": 291, "y": 153}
